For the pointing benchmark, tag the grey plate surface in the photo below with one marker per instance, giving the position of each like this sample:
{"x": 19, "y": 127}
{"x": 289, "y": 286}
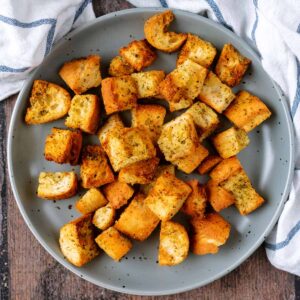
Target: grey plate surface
{"x": 269, "y": 161}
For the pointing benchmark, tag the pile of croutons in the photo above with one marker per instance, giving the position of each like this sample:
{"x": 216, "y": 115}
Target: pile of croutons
{"x": 130, "y": 175}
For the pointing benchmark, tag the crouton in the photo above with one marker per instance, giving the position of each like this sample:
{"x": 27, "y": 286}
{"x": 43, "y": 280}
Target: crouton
{"x": 149, "y": 117}
{"x": 231, "y": 65}
{"x": 139, "y": 54}
{"x": 167, "y": 196}
{"x": 76, "y": 147}
{"x": 173, "y": 244}
{"x": 119, "y": 67}
{"x": 185, "y": 82}
{"x": 230, "y": 142}
{"x": 137, "y": 221}
{"x": 57, "y": 185}
{"x": 48, "y": 102}
{"x": 210, "y": 233}
{"x": 200, "y": 51}
{"x": 247, "y": 111}
{"x": 104, "y": 217}
{"x": 246, "y": 198}
{"x": 113, "y": 243}
{"x": 90, "y": 201}
{"x": 156, "y": 33}
{"x": 76, "y": 240}
{"x": 82, "y": 74}
{"x": 118, "y": 193}
{"x": 119, "y": 93}
{"x": 84, "y": 113}
{"x": 95, "y": 170}
{"x": 182, "y": 104}
{"x": 209, "y": 163}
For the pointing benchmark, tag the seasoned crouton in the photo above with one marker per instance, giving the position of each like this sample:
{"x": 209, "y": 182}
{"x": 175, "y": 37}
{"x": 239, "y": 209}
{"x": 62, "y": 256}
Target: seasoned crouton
{"x": 215, "y": 93}
{"x": 167, "y": 196}
{"x": 104, "y": 217}
{"x": 231, "y": 65}
{"x": 76, "y": 147}
{"x": 230, "y": 142}
{"x": 90, "y": 201}
{"x": 119, "y": 67}
{"x": 48, "y": 102}
{"x": 82, "y": 74}
{"x": 84, "y": 113}
{"x": 119, "y": 93}
{"x": 247, "y": 111}
{"x": 57, "y": 185}
{"x": 137, "y": 221}
{"x": 209, "y": 163}
{"x": 182, "y": 104}
{"x": 156, "y": 33}
{"x": 210, "y": 233}
{"x": 149, "y": 117}
{"x": 113, "y": 243}
{"x": 139, "y": 54}
{"x": 118, "y": 193}
{"x": 76, "y": 240}
{"x": 95, "y": 170}
{"x": 200, "y": 51}
{"x": 173, "y": 244}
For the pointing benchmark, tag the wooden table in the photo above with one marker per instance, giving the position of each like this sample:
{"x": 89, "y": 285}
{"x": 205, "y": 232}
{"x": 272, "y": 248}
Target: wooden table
{"x": 29, "y": 272}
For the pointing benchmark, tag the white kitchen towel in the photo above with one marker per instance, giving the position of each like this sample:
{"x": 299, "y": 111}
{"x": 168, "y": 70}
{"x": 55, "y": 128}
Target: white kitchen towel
{"x": 273, "y": 26}
{"x": 28, "y": 29}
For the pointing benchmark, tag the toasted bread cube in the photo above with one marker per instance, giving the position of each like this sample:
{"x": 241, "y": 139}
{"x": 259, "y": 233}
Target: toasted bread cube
{"x": 76, "y": 240}
{"x": 90, "y": 201}
{"x": 95, "y": 170}
{"x": 209, "y": 163}
{"x": 185, "y": 82}
{"x": 104, "y": 217}
{"x": 139, "y": 54}
{"x": 113, "y": 243}
{"x": 182, "y": 104}
{"x": 119, "y": 67}
{"x": 200, "y": 51}
{"x": 173, "y": 244}
{"x": 167, "y": 196}
{"x": 118, "y": 193}
{"x": 84, "y": 113}
{"x": 76, "y": 147}
{"x": 82, "y": 74}
{"x": 149, "y": 117}
{"x": 247, "y": 111}
{"x": 156, "y": 33}
{"x": 137, "y": 221}
{"x": 210, "y": 233}
{"x": 230, "y": 142}
{"x": 246, "y": 198}
{"x": 119, "y": 93}
{"x": 217, "y": 196}
{"x": 48, "y": 102}
{"x": 57, "y": 185}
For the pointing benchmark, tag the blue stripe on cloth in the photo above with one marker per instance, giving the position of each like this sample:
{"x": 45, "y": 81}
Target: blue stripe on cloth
{"x": 12, "y": 70}
{"x": 163, "y": 3}
{"x": 81, "y": 8}
{"x": 255, "y": 22}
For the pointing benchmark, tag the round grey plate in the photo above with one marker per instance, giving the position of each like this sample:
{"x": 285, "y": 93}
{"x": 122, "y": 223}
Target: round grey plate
{"x": 268, "y": 160}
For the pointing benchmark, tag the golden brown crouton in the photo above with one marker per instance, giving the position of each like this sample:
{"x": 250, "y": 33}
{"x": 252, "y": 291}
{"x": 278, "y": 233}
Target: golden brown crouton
{"x": 118, "y": 193}
{"x": 200, "y": 51}
{"x": 156, "y": 33}
{"x": 231, "y": 65}
{"x": 137, "y": 221}
{"x": 182, "y": 104}
{"x": 104, "y": 217}
{"x": 247, "y": 111}
{"x": 82, "y": 74}
{"x": 167, "y": 196}
{"x": 209, "y": 163}
{"x": 173, "y": 244}
{"x": 95, "y": 170}
{"x": 76, "y": 147}
{"x": 48, "y": 102}
{"x": 139, "y": 54}
{"x": 119, "y": 67}
{"x": 90, "y": 201}
{"x": 230, "y": 142}
{"x": 76, "y": 240}
{"x": 210, "y": 233}
{"x": 113, "y": 243}
{"x": 119, "y": 93}
{"x": 57, "y": 185}
{"x": 84, "y": 113}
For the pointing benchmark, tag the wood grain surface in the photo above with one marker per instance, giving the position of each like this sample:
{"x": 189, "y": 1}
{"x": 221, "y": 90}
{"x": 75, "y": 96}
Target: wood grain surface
{"x": 29, "y": 272}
